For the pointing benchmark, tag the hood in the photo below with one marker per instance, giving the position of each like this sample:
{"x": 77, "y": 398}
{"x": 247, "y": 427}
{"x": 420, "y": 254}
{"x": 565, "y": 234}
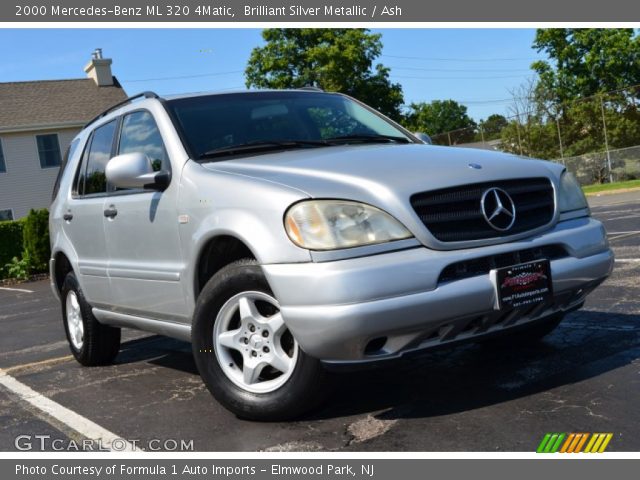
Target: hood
{"x": 358, "y": 171}
{"x": 385, "y": 176}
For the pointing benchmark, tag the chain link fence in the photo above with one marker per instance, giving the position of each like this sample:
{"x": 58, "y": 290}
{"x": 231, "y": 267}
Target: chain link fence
{"x": 593, "y": 168}
{"x": 597, "y": 138}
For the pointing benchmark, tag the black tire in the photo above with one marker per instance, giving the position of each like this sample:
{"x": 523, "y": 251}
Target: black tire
{"x": 101, "y": 343}
{"x": 304, "y": 390}
{"x": 527, "y": 335}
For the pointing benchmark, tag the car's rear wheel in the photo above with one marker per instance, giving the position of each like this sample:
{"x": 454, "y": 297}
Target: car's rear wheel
{"x": 246, "y": 355}
{"x": 91, "y": 343}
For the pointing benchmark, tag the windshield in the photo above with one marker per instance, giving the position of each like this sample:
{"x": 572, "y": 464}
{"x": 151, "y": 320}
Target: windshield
{"x": 220, "y": 124}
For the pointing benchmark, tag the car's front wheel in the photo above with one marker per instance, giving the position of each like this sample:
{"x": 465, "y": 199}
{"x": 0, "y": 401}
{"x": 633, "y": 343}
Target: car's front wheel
{"x": 246, "y": 355}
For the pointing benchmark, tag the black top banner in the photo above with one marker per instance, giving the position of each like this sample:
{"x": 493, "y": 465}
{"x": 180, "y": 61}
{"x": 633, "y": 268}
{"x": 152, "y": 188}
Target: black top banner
{"x": 350, "y": 11}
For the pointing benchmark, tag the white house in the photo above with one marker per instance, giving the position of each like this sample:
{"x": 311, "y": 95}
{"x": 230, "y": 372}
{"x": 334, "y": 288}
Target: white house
{"x": 38, "y": 120}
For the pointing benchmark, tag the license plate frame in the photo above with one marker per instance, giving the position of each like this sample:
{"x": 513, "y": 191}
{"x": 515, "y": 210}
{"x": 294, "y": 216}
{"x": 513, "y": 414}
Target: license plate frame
{"x": 523, "y": 285}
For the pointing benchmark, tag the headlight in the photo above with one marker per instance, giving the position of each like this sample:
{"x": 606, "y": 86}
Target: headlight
{"x": 570, "y": 196}
{"x": 334, "y": 224}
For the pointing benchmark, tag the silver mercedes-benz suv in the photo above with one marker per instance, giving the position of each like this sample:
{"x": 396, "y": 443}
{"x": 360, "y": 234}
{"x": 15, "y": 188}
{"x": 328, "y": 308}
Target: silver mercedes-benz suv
{"x": 286, "y": 233}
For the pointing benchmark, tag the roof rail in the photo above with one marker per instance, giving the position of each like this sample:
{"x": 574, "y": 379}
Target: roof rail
{"x": 119, "y": 104}
{"x": 311, "y": 88}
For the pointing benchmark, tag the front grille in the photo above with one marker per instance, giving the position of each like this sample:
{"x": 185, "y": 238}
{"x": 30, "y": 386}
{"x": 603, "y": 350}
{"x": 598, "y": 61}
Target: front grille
{"x": 483, "y": 265}
{"x": 455, "y": 215}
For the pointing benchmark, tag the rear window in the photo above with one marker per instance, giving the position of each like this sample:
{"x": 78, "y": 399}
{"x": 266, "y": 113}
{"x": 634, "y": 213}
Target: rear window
{"x": 63, "y": 167}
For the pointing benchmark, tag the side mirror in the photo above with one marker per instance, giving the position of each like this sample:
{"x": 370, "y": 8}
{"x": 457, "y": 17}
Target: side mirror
{"x": 134, "y": 170}
{"x": 424, "y": 137}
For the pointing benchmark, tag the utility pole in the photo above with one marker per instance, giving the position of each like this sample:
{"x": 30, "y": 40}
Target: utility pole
{"x": 560, "y": 140}
{"x": 606, "y": 139}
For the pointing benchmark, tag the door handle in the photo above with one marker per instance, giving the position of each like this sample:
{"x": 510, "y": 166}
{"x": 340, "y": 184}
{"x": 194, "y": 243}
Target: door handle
{"x": 67, "y": 217}
{"x": 111, "y": 212}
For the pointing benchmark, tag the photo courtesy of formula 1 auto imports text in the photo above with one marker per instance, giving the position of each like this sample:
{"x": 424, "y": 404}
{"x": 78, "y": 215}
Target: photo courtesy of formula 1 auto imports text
{"x": 319, "y": 239}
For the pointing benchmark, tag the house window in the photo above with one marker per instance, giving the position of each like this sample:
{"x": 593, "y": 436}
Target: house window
{"x": 48, "y": 150}
{"x": 3, "y": 166}
{"x": 6, "y": 214}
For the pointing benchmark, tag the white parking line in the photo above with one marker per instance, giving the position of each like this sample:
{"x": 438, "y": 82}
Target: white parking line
{"x": 623, "y": 233}
{"x": 621, "y": 217}
{"x": 23, "y": 290}
{"x": 628, "y": 260}
{"x": 71, "y": 419}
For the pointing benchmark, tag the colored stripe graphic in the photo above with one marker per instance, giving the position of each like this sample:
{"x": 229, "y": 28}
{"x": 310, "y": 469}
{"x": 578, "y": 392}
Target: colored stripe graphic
{"x": 606, "y": 442}
{"x": 596, "y": 445}
{"x": 567, "y": 442}
{"x": 556, "y": 445}
{"x": 578, "y": 448}
{"x": 600, "y": 442}
{"x": 543, "y": 443}
{"x": 551, "y": 443}
{"x": 574, "y": 442}
{"x": 591, "y": 442}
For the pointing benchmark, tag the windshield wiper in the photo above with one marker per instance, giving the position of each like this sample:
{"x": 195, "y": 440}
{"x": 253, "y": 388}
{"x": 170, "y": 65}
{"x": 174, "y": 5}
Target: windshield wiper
{"x": 365, "y": 138}
{"x": 262, "y": 146}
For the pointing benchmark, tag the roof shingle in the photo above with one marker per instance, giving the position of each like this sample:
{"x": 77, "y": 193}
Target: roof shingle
{"x": 54, "y": 102}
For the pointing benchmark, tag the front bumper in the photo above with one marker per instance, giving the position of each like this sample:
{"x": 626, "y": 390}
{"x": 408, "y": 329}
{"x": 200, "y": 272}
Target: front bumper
{"x": 383, "y": 306}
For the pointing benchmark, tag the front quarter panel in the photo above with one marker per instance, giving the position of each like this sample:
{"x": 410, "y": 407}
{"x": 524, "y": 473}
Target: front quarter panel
{"x": 214, "y": 204}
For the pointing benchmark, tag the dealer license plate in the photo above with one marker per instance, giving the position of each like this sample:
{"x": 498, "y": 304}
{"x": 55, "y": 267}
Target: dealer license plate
{"x": 523, "y": 285}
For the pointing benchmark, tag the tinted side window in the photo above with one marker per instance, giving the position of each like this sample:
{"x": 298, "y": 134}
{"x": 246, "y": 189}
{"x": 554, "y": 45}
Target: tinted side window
{"x": 95, "y": 180}
{"x": 140, "y": 133}
{"x": 78, "y": 181}
{"x": 65, "y": 161}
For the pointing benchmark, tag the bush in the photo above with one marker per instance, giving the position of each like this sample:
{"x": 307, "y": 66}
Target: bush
{"x": 10, "y": 243}
{"x": 18, "y": 269}
{"x": 36, "y": 240}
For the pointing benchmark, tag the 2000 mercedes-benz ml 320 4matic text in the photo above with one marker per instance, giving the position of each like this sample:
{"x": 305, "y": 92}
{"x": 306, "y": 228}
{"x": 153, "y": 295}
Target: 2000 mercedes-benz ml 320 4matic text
{"x": 286, "y": 232}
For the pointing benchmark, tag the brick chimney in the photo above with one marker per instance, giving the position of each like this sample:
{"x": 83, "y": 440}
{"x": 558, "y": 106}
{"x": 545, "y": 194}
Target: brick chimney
{"x": 99, "y": 69}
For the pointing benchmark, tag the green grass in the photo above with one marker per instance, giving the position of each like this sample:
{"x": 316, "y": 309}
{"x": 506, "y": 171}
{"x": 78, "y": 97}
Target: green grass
{"x": 606, "y": 187}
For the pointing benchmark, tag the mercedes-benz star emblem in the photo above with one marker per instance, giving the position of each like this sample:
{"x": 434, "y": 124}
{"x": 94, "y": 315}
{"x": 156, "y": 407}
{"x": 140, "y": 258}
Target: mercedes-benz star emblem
{"x": 498, "y": 209}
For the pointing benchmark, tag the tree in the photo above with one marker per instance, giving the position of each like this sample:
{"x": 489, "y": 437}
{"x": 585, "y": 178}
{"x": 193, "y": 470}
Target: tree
{"x": 337, "y": 60}
{"x": 441, "y": 117}
{"x": 531, "y": 132}
{"x": 493, "y": 126}
{"x": 584, "y": 62}
{"x": 587, "y": 81}
{"x": 551, "y": 131}
{"x": 532, "y": 138}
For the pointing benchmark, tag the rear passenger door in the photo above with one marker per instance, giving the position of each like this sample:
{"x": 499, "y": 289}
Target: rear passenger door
{"x": 142, "y": 233}
{"x": 84, "y": 220}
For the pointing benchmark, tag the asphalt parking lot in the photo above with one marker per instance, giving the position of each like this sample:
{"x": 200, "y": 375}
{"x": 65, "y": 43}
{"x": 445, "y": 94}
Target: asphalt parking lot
{"x": 585, "y": 377}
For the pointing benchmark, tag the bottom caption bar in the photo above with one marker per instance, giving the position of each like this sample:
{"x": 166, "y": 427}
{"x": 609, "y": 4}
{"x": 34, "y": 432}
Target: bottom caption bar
{"x": 382, "y": 469}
